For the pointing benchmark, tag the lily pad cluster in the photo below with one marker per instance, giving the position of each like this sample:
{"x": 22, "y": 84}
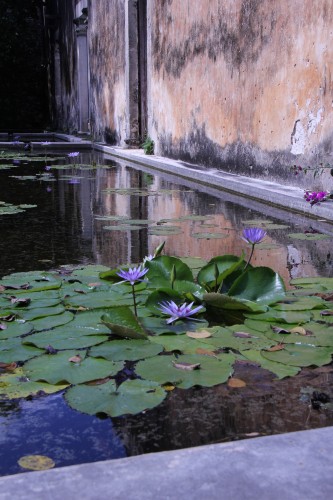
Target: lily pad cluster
{"x": 107, "y": 343}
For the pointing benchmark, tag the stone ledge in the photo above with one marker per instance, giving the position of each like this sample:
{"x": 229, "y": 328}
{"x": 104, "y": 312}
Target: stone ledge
{"x": 294, "y": 466}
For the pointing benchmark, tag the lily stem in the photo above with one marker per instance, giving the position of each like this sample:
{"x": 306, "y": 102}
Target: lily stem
{"x": 248, "y": 262}
{"x": 134, "y": 301}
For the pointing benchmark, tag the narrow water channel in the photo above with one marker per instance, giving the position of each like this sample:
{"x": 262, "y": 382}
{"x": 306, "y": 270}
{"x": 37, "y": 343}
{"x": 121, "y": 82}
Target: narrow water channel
{"x": 90, "y": 209}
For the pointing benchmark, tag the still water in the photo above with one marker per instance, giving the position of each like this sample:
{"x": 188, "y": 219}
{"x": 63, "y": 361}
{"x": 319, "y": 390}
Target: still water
{"x": 91, "y": 209}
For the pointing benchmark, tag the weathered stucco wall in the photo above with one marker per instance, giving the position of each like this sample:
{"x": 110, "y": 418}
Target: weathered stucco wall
{"x": 243, "y": 85}
{"x": 63, "y": 64}
{"x": 106, "y": 35}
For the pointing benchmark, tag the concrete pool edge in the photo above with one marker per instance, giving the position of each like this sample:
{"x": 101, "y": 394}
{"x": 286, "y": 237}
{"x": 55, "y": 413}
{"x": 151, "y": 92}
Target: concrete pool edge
{"x": 297, "y": 466}
{"x": 284, "y": 196}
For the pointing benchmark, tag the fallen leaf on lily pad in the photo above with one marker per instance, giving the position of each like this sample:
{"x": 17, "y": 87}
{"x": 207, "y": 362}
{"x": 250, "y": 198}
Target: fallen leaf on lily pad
{"x": 205, "y": 352}
{"x": 36, "y": 462}
{"x": 301, "y": 331}
{"x": 326, "y": 312}
{"x": 236, "y": 383}
{"x": 8, "y": 366}
{"x": 75, "y": 359}
{"x": 201, "y": 334}
{"x": 277, "y": 347}
{"x": 186, "y": 366}
{"x": 242, "y": 335}
{"x": 168, "y": 387}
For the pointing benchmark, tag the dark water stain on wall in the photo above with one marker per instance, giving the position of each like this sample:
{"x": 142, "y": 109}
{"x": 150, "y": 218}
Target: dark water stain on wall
{"x": 241, "y": 42}
{"x": 243, "y": 159}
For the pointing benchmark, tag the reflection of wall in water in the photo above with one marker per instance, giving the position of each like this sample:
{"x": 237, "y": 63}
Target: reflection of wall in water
{"x": 228, "y": 222}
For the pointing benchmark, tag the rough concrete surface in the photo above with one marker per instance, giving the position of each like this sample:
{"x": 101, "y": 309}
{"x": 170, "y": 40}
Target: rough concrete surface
{"x": 295, "y": 466}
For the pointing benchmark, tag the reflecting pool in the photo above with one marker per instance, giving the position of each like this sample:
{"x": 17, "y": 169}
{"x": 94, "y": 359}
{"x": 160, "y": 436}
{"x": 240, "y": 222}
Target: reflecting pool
{"x": 58, "y": 210}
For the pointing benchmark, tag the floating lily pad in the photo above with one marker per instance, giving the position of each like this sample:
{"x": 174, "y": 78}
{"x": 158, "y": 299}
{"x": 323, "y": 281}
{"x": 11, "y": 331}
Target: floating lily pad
{"x": 212, "y": 371}
{"x": 279, "y": 369}
{"x": 17, "y": 385}
{"x": 300, "y": 355}
{"x": 36, "y": 462}
{"x": 12, "y": 351}
{"x": 58, "y": 368}
{"x": 126, "y": 350}
{"x": 14, "y": 329}
{"x": 64, "y": 339}
{"x": 132, "y": 397}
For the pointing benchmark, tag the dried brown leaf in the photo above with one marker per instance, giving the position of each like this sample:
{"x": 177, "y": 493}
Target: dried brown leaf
{"x": 243, "y": 335}
{"x": 236, "y": 383}
{"x": 206, "y": 352}
{"x": 201, "y": 334}
{"x": 75, "y": 359}
{"x": 277, "y": 347}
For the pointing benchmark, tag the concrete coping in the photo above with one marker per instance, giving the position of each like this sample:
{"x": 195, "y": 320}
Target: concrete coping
{"x": 293, "y": 466}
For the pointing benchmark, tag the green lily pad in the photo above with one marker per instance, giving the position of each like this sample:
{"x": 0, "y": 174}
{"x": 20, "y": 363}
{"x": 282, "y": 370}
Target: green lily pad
{"x": 14, "y": 329}
{"x": 125, "y": 350}
{"x": 64, "y": 339}
{"x": 182, "y": 343}
{"x": 162, "y": 369}
{"x": 124, "y": 323}
{"x": 132, "y": 397}
{"x": 58, "y": 368}
{"x": 12, "y": 350}
{"x": 52, "y": 321}
{"x": 300, "y": 355}
{"x": 15, "y": 385}
{"x": 279, "y": 369}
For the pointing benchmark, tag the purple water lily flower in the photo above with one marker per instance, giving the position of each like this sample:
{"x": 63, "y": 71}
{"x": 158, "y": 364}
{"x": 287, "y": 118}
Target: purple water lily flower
{"x": 315, "y": 197}
{"x": 73, "y": 154}
{"x": 253, "y": 235}
{"x": 133, "y": 274}
{"x": 177, "y": 312}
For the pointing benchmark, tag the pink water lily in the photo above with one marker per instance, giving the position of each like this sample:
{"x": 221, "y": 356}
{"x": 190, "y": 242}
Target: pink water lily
{"x": 183, "y": 311}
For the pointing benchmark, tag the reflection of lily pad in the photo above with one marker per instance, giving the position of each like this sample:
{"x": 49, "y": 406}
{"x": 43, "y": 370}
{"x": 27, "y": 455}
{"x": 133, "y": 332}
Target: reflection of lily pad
{"x": 209, "y": 236}
{"x": 165, "y": 230}
{"x": 122, "y": 227}
{"x": 309, "y": 236}
{"x": 256, "y": 222}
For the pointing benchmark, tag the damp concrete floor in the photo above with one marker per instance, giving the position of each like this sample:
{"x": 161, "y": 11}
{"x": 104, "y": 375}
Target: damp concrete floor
{"x": 293, "y": 466}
